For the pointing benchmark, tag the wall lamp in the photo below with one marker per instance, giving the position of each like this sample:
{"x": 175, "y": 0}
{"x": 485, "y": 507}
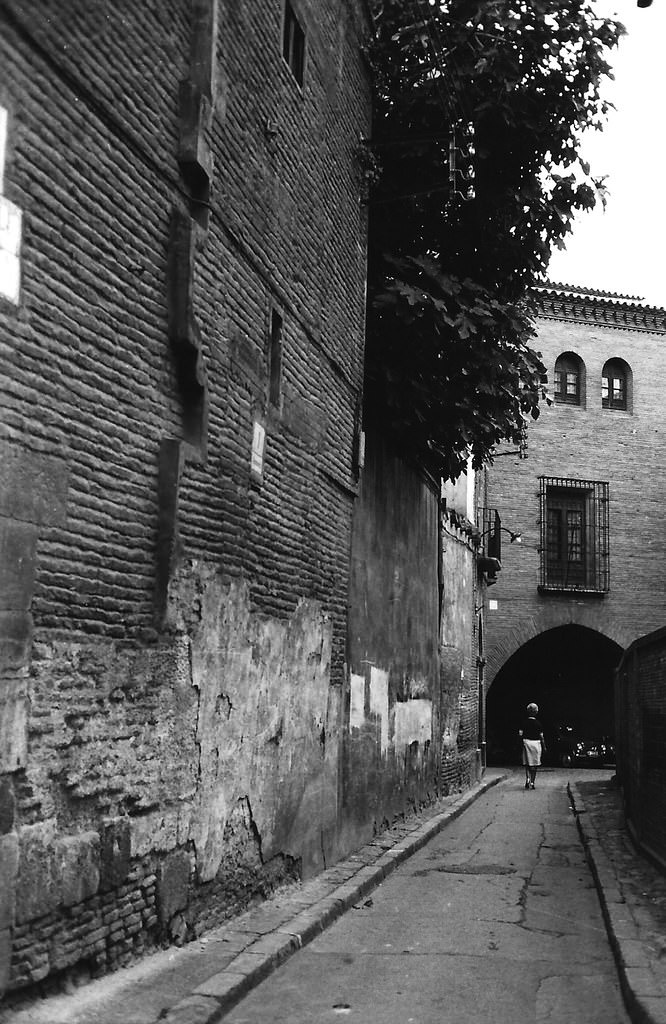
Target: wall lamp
{"x": 514, "y": 538}
{"x": 489, "y": 560}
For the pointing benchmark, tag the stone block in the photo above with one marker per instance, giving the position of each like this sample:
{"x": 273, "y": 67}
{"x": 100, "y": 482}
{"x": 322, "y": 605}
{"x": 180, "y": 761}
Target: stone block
{"x": 13, "y": 726}
{"x": 18, "y": 545}
{"x": 642, "y": 981}
{"x": 77, "y": 864}
{"x": 305, "y": 925}
{"x": 7, "y": 806}
{"x": 34, "y": 486}
{"x": 194, "y": 1009}
{"x": 5, "y": 959}
{"x": 276, "y": 947}
{"x": 226, "y": 986}
{"x": 156, "y": 832}
{"x": 15, "y": 641}
{"x": 37, "y": 890}
{"x": 9, "y": 857}
{"x": 173, "y": 884}
{"x": 115, "y": 852}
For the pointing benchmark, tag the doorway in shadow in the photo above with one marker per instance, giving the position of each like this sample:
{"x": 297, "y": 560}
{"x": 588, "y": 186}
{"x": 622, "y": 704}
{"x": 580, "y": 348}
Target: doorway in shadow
{"x": 568, "y": 671}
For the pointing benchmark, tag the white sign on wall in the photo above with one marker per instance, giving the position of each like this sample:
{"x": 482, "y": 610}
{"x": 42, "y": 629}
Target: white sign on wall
{"x": 10, "y": 230}
{"x": 258, "y": 444}
{"x": 3, "y": 147}
{"x": 10, "y": 249}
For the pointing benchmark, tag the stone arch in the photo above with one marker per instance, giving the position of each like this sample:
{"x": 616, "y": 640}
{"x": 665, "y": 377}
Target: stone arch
{"x": 531, "y": 626}
{"x": 568, "y": 670}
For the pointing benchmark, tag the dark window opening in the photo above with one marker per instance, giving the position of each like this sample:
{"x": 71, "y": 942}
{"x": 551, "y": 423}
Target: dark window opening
{"x": 568, "y": 380}
{"x": 275, "y": 359}
{"x": 614, "y": 388}
{"x": 293, "y": 43}
{"x": 574, "y": 535}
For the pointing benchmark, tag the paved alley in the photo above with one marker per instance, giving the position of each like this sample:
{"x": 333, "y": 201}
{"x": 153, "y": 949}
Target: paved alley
{"x": 487, "y": 912}
{"x": 496, "y": 919}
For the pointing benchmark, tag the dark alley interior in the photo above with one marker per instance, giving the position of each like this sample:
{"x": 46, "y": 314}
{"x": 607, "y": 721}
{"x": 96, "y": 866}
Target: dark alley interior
{"x": 568, "y": 672}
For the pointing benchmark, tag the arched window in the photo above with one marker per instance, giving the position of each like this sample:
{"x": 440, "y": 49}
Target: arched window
{"x": 569, "y": 379}
{"x": 615, "y": 383}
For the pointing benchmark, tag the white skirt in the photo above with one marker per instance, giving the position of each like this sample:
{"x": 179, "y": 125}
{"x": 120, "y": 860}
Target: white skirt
{"x": 532, "y": 753}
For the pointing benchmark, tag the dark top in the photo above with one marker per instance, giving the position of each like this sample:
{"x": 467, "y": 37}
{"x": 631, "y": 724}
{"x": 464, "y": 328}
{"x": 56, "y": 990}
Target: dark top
{"x": 532, "y": 729}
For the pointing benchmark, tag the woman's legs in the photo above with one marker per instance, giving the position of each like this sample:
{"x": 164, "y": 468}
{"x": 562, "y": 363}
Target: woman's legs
{"x": 533, "y": 771}
{"x": 527, "y": 770}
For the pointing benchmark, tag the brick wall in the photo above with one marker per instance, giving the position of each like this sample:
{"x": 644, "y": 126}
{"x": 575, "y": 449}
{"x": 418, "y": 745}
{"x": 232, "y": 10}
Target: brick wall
{"x": 641, "y": 740}
{"x": 172, "y": 635}
{"x": 586, "y": 442}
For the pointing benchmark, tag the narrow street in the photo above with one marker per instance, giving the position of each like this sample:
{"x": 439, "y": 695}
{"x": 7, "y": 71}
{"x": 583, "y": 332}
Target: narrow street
{"x": 496, "y": 919}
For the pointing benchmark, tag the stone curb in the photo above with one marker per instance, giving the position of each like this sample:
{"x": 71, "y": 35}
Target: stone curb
{"x": 348, "y": 882}
{"x": 643, "y": 996}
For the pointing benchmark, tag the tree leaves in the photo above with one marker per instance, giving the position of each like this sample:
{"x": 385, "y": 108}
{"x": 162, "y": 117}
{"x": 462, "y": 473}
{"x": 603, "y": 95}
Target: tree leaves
{"x": 449, "y": 369}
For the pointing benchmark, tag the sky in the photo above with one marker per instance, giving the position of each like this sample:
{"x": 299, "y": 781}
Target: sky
{"x": 621, "y": 249}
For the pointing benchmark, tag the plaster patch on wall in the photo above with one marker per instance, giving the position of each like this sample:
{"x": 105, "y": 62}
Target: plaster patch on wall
{"x": 274, "y": 675}
{"x": 357, "y": 701}
{"x": 413, "y": 721}
{"x": 161, "y": 830}
{"x": 209, "y": 819}
{"x": 452, "y": 676}
{"x": 379, "y": 703}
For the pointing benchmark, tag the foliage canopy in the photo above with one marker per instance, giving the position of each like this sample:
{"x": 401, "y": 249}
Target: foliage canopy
{"x": 450, "y": 372}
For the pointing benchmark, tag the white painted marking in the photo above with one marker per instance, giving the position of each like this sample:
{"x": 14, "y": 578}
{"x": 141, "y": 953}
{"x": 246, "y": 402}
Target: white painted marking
{"x": 379, "y": 703}
{"x": 357, "y": 703}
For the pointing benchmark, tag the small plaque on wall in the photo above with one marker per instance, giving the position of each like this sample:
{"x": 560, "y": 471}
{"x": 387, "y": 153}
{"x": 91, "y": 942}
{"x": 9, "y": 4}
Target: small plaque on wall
{"x": 10, "y": 244}
{"x": 258, "y": 445}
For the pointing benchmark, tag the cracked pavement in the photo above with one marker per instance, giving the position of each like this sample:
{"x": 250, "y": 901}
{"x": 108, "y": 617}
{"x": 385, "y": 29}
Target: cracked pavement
{"x": 496, "y": 919}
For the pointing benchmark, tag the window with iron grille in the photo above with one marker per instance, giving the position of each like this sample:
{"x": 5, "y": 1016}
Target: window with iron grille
{"x": 490, "y": 525}
{"x": 574, "y": 535}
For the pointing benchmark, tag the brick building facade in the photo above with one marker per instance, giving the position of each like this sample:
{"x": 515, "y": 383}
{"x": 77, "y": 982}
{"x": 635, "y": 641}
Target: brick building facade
{"x": 181, "y": 365}
{"x": 587, "y": 501}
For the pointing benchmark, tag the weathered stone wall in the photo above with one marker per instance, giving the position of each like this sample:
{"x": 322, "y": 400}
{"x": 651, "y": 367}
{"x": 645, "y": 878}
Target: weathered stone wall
{"x": 393, "y": 716}
{"x": 641, "y": 740}
{"x": 460, "y": 654}
{"x": 173, "y": 619}
{"x": 586, "y": 442}
{"x": 412, "y": 711}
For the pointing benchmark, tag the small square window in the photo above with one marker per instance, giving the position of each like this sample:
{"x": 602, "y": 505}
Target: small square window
{"x": 293, "y": 43}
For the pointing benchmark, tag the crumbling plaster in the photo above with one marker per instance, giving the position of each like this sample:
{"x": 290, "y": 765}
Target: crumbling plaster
{"x": 267, "y": 723}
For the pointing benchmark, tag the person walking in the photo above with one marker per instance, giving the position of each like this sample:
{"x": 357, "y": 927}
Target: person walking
{"x": 534, "y": 744}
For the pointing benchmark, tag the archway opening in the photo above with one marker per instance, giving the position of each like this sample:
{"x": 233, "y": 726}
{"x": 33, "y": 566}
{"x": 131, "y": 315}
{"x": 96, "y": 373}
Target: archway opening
{"x": 568, "y": 671}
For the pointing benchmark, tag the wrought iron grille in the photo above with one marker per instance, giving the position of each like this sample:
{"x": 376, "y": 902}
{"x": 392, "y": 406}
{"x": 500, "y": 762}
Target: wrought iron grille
{"x": 490, "y": 525}
{"x": 573, "y": 521}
